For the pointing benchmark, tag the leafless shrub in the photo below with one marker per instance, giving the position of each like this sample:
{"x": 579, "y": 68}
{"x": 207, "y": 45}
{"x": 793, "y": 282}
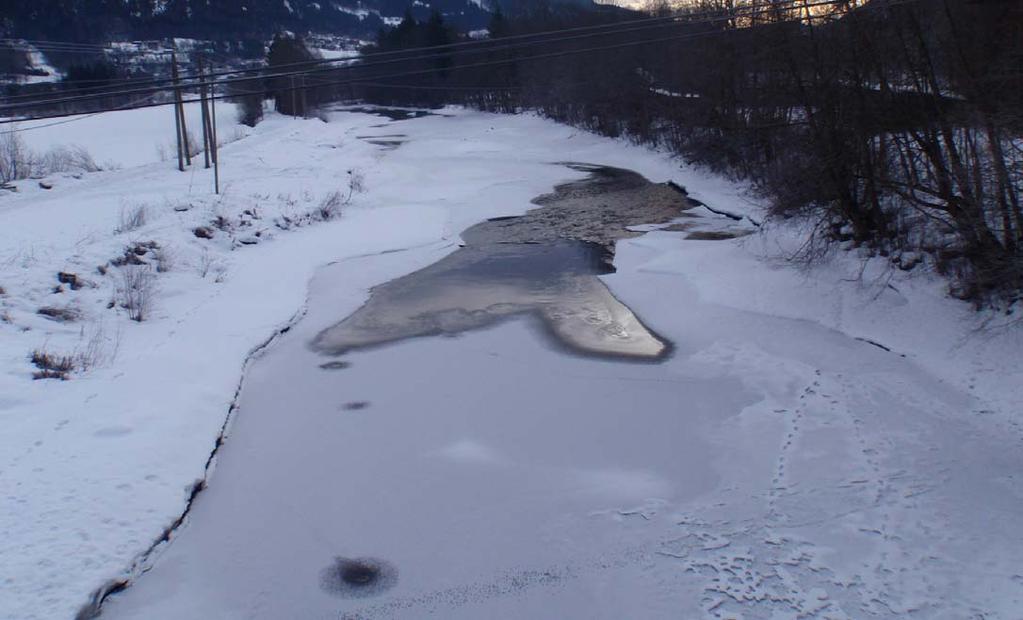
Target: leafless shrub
{"x": 73, "y": 158}
{"x": 82, "y": 159}
{"x": 15, "y": 158}
{"x": 330, "y": 206}
{"x": 209, "y": 266}
{"x": 132, "y": 217}
{"x": 57, "y": 159}
{"x": 17, "y": 161}
{"x": 137, "y": 291}
{"x": 93, "y": 349}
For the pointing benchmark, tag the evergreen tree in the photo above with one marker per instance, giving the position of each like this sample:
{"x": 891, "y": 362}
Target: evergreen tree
{"x": 404, "y": 35}
{"x": 498, "y": 26}
{"x": 436, "y": 35}
{"x": 289, "y": 95}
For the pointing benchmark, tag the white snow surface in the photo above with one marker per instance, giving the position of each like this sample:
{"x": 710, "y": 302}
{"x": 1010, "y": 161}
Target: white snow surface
{"x": 774, "y": 467}
{"x": 129, "y": 138}
{"x": 332, "y": 54}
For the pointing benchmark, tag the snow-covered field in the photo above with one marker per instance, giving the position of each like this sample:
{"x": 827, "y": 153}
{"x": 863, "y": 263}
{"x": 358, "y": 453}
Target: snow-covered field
{"x": 129, "y": 138}
{"x": 821, "y": 476}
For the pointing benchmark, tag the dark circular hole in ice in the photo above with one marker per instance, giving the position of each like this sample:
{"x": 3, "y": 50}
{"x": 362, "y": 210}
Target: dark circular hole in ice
{"x": 358, "y": 577}
{"x": 357, "y": 574}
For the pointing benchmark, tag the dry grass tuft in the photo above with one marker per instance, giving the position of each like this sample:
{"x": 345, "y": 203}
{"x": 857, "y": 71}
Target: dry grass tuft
{"x": 52, "y": 366}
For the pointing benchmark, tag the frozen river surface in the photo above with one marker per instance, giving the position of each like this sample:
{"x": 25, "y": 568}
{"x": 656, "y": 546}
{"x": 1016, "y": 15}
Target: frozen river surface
{"x": 467, "y": 464}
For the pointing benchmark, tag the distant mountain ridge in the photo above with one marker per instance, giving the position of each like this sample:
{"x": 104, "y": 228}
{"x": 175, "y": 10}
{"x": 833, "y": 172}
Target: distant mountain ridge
{"x": 105, "y": 20}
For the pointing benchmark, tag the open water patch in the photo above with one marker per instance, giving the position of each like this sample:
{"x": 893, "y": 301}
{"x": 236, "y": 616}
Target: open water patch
{"x": 544, "y": 264}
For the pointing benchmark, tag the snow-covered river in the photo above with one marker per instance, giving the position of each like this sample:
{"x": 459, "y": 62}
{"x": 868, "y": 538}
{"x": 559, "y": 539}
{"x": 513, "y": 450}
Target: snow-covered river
{"x": 492, "y": 474}
{"x": 457, "y": 460}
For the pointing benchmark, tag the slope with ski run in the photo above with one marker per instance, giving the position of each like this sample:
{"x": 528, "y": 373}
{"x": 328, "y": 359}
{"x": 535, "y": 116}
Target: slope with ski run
{"x": 806, "y": 474}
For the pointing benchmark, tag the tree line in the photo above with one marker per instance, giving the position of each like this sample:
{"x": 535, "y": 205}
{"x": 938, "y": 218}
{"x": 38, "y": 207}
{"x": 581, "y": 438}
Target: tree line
{"x": 893, "y": 126}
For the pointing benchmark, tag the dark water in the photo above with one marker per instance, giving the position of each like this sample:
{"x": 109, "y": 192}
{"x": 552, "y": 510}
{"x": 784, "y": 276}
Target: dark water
{"x": 527, "y": 265}
{"x": 394, "y": 114}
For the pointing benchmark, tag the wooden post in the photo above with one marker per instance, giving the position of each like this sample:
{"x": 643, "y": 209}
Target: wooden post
{"x": 205, "y": 114}
{"x": 181, "y": 109}
{"x": 177, "y": 114}
{"x": 294, "y": 98}
{"x": 209, "y": 117}
{"x": 305, "y": 105}
{"x": 216, "y": 149}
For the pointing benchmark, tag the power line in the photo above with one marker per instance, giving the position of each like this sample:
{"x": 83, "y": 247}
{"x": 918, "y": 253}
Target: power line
{"x": 426, "y": 48}
{"x": 318, "y": 82}
{"x": 115, "y": 82}
{"x": 472, "y": 47}
{"x": 33, "y": 49}
{"x": 408, "y": 51}
{"x": 77, "y": 117}
{"x": 502, "y": 43}
{"x": 65, "y": 46}
{"x": 52, "y": 42}
{"x": 351, "y": 81}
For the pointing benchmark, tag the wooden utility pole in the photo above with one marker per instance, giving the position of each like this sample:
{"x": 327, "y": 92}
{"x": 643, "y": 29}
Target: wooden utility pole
{"x": 294, "y": 98}
{"x": 213, "y": 126}
{"x": 177, "y": 112}
{"x": 207, "y": 86}
{"x": 203, "y": 104}
{"x": 305, "y": 105}
{"x": 180, "y": 105}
